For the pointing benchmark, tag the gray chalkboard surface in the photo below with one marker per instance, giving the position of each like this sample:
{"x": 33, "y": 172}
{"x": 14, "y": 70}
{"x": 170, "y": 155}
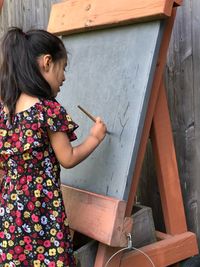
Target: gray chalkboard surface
{"x": 110, "y": 74}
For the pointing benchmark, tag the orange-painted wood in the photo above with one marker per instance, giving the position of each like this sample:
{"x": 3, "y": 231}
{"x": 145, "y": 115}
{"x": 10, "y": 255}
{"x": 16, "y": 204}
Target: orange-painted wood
{"x": 102, "y": 218}
{"x": 76, "y": 15}
{"x": 163, "y": 253}
{"x": 166, "y": 167}
{"x": 104, "y": 253}
{"x": 161, "y": 235}
{"x": 178, "y": 2}
{"x": 150, "y": 110}
{"x": 1, "y": 4}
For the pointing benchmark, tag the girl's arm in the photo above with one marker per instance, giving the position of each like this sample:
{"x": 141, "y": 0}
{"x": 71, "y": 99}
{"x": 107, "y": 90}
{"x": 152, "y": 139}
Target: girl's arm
{"x": 69, "y": 156}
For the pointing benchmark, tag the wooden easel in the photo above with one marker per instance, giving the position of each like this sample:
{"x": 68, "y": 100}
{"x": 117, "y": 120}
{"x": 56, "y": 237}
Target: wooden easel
{"x": 107, "y": 219}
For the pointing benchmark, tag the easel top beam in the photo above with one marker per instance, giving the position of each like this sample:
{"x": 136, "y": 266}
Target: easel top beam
{"x": 74, "y": 16}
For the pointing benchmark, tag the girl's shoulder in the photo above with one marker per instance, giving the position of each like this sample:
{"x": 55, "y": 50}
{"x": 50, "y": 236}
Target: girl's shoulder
{"x": 26, "y": 103}
{"x": 51, "y": 107}
{"x": 56, "y": 118}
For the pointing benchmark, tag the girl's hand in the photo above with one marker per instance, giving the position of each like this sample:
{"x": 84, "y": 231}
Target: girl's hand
{"x": 98, "y": 130}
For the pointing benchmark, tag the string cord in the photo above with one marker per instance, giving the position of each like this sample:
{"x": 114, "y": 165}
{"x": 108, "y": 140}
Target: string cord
{"x": 129, "y": 247}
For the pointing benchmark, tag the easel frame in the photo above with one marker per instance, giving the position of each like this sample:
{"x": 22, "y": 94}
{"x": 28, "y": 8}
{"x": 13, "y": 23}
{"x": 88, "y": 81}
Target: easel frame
{"x": 110, "y": 224}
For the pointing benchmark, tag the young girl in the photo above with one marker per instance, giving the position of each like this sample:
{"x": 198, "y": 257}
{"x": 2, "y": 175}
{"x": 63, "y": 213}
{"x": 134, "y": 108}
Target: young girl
{"x": 35, "y": 135}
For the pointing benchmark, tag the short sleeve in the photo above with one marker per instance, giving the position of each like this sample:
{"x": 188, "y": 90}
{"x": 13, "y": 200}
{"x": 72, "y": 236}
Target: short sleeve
{"x": 57, "y": 119}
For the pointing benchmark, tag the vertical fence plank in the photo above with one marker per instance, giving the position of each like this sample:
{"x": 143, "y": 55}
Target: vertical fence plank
{"x": 25, "y": 14}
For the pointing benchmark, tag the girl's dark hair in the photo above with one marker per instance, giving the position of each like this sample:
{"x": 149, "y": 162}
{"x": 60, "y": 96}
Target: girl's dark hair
{"x": 19, "y": 70}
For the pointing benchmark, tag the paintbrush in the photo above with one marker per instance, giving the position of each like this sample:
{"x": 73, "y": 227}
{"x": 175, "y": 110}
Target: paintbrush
{"x": 89, "y": 115}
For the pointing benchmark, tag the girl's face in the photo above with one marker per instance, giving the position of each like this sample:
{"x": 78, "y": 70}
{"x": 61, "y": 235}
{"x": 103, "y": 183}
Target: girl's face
{"x": 53, "y": 72}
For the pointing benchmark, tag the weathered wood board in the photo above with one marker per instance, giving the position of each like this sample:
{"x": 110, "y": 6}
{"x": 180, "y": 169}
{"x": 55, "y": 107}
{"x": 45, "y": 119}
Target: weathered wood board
{"x": 110, "y": 74}
{"x": 26, "y": 14}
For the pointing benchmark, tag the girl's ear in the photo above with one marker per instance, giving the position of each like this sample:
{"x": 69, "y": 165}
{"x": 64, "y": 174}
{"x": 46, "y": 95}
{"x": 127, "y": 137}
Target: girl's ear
{"x": 45, "y": 62}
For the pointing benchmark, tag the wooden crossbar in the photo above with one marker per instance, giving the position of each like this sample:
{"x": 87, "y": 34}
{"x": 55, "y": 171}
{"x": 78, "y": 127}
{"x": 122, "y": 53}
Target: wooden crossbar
{"x": 163, "y": 253}
{"x": 76, "y": 16}
{"x": 99, "y": 217}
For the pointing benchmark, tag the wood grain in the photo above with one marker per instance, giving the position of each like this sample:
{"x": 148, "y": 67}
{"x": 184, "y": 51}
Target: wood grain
{"x": 166, "y": 166}
{"x": 76, "y": 16}
{"x": 97, "y": 216}
{"x": 163, "y": 253}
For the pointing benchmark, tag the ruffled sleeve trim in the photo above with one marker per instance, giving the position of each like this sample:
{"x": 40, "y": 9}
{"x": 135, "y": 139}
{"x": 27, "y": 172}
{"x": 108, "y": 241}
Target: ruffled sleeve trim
{"x": 58, "y": 120}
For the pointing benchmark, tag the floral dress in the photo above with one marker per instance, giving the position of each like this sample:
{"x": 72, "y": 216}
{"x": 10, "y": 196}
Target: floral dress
{"x": 33, "y": 225}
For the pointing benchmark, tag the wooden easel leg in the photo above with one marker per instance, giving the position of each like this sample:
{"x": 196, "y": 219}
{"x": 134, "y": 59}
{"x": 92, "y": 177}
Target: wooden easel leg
{"x": 103, "y": 255}
{"x": 151, "y": 107}
{"x": 166, "y": 167}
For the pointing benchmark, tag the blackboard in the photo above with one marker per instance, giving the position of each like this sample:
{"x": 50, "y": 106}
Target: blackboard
{"x": 110, "y": 74}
